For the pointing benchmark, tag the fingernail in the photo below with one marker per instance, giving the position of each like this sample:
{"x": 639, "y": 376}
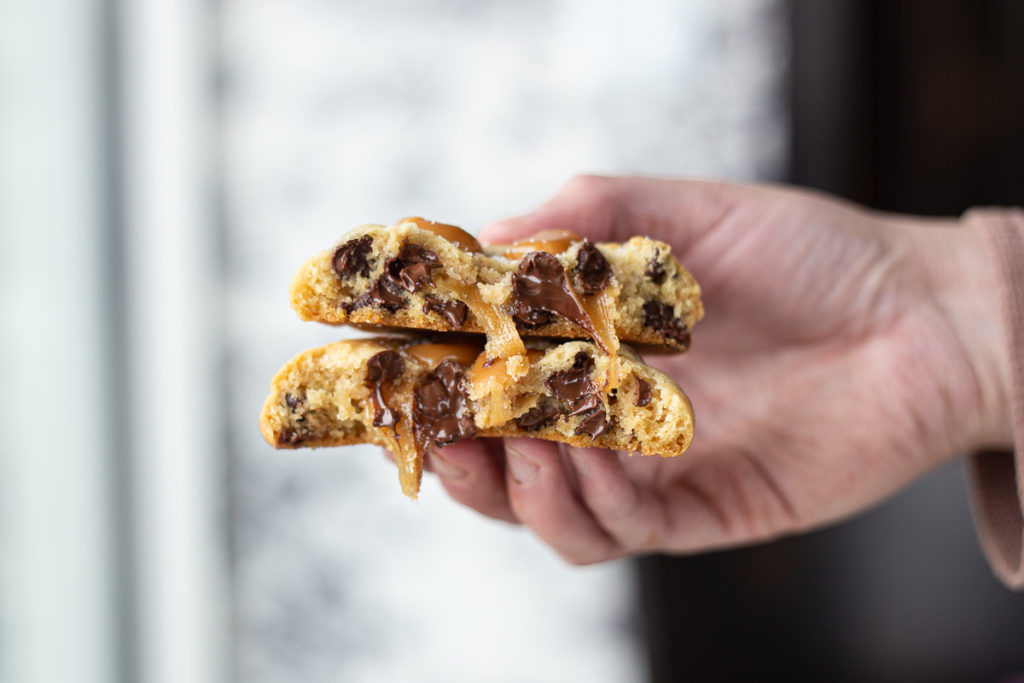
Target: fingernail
{"x": 522, "y": 469}
{"x": 444, "y": 467}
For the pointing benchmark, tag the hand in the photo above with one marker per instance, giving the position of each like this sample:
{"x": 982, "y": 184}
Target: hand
{"x": 843, "y": 354}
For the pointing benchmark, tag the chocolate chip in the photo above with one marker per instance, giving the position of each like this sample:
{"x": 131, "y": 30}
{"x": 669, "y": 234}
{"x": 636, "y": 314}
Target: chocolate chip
{"x": 440, "y": 412}
{"x": 382, "y": 294}
{"x": 409, "y": 270}
{"x": 351, "y": 257}
{"x": 537, "y": 416}
{"x": 574, "y": 385}
{"x": 661, "y": 317}
{"x": 413, "y": 253}
{"x": 655, "y": 268}
{"x": 541, "y": 286}
{"x": 531, "y": 319}
{"x": 452, "y": 310}
{"x": 643, "y": 393}
{"x": 383, "y": 367}
{"x": 594, "y": 426}
{"x": 593, "y": 273}
{"x": 414, "y": 277}
{"x": 289, "y": 437}
{"x": 292, "y": 402}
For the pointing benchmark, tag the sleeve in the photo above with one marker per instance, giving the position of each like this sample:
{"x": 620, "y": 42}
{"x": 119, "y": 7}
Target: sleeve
{"x": 996, "y": 479}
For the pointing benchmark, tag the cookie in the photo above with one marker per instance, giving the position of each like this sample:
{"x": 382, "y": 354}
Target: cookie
{"x": 412, "y": 394}
{"x": 430, "y": 276}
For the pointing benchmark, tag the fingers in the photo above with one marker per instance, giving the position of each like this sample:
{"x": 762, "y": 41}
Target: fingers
{"x": 473, "y": 473}
{"x": 583, "y": 502}
{"x": 543, "y": 498}
{"x": 615, "y": 209}
{"x": 629, "y": 513}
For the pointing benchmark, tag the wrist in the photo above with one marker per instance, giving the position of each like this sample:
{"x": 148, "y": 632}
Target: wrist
{"x": 960, "y": 282}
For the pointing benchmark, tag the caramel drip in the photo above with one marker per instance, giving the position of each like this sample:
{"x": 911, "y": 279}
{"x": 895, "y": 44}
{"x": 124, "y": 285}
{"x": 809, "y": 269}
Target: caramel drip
{"x": 398, "y": 437}
{"x": 457, "y": 236}
{"x": 551, "y": 241}
{"x": 433, "y": 354}
{"x": 598, "y": 308}
{"x": 503, "y": 340}
{"x": 490, "y": 380}
{"x": 408, "y": 457}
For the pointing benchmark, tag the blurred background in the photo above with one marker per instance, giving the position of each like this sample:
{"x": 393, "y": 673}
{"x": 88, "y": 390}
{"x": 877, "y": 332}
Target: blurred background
{"x": 166, "y": 165}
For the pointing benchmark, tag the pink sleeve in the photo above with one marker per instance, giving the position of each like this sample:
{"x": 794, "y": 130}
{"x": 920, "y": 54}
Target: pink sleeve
{"x": 996, "y": 480}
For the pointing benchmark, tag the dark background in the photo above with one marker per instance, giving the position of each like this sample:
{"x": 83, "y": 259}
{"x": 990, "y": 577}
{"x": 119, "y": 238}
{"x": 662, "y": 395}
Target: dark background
{"x": 907, "y": 106}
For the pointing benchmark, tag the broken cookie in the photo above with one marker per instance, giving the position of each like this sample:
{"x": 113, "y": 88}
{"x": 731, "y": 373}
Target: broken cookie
{"x": 411, "y": 395}
{"x": 431, "y": 276}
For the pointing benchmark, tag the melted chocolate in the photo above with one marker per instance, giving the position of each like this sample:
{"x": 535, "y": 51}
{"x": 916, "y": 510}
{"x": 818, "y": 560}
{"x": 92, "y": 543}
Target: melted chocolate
{"x": 531, "y": 319}
{"x": 412, "y": 267}
{"x": 655, "y": 269}
{"x": 537, "y": 416}
{"x": 383, "y": 367}
{"x": 414, "y": 277}
{"x": 575, "y": 388}
{"x": 574, "y": 385}
{"x": 351, "y": 257}
{"x": 381, "y": 294}
{"x": 593, "y": 272}
{"x": 660, "y": 317}
{"x": 452, "y": 310}
{"x": 409, "y": 270}
{"x": 440, "y": 412}
{"x": 594, "y": 426}
{"x": 541, "y": 287}
{"x": 643, "y": 393}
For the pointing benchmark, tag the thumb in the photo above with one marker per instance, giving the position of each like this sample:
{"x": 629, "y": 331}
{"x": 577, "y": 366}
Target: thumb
{"x": 607, "y": 209}
{"x": 584, "y": 205}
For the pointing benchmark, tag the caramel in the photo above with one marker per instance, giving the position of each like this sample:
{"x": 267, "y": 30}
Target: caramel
{"x": 485, "y": 371}
{"x": 503, "y": 340}
{"x": 551, "y": 241}
{"x": 434, "y": 354}
{"x": 490, "y": 378}
{"x": 599, "y": 308}
{"x": 457, "y": 236}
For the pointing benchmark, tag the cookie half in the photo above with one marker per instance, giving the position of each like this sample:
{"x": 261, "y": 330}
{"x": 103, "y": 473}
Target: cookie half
{"x": 410, "y": 395}
{"x": 430, "y": 276}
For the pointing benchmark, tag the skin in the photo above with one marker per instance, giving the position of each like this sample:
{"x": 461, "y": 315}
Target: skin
{"x": 843, "y": 354}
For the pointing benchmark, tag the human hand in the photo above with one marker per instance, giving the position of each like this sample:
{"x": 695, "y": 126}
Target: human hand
{"x": 843, "y": 354}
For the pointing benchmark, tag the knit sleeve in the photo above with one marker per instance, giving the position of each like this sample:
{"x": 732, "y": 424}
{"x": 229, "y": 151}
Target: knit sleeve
{"x": 996, "y": 479}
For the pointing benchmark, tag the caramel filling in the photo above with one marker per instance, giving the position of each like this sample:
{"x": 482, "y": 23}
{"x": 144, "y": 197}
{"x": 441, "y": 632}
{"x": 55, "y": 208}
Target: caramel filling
{"x": 433, "y": 354}
{"x": 551, "y": 241}
{"x": 503, "y": 340}
{"x": 490, "y": 379}
{"x": 598, "y": 308}
{"x": 407, "y": 456}
{"x": 457, "y": 236}
{"x": 398, "y": 435}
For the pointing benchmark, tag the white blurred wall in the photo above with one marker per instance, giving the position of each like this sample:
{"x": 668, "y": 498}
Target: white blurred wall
{"x": 58, "y": 605}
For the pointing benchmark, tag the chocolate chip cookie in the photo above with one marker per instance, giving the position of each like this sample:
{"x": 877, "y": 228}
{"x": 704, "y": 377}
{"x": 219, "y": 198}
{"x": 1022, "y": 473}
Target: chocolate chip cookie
{"x": 431, "y": 276}
{"x": 411, "y": 394}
